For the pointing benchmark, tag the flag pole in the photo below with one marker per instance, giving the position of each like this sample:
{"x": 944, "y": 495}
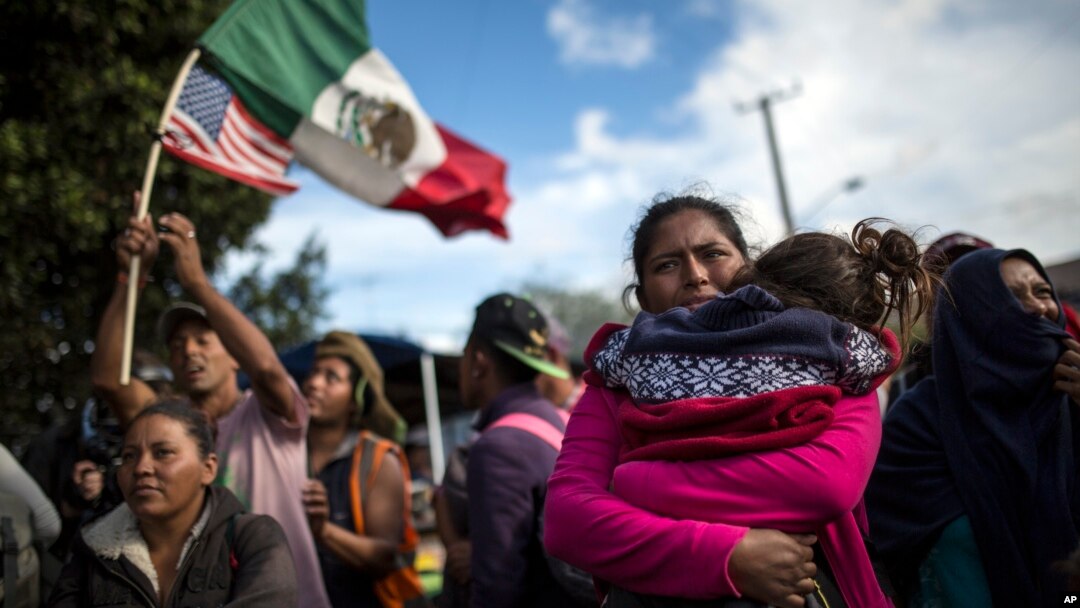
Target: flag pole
{"x": 144, "y": 204}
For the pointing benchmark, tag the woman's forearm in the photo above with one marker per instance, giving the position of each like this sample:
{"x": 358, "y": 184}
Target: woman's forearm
{"x": 591, "y": 528}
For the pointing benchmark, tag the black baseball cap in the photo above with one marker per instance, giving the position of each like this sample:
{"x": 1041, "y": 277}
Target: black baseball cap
{"x": 517, "y": 328}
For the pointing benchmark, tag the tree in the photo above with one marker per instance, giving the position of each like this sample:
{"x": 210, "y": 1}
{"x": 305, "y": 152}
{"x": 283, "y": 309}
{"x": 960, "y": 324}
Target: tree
{"x": 288, "y": 306}
{"x": 581, "y": 312}
{"x": 82, "y": 84}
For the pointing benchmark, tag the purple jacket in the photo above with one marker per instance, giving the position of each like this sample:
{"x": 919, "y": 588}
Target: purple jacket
{"x": 507, "y": 477}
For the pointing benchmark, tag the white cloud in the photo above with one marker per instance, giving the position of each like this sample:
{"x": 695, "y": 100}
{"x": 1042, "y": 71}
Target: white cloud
{"x": 587, "y": 38}
{"x": 393, "y": 273}
{"x": 962, "y": 115}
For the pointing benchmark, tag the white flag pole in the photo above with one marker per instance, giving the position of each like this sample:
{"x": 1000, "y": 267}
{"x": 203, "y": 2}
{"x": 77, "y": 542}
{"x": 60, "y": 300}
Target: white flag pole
{"x": 144, "y": 204}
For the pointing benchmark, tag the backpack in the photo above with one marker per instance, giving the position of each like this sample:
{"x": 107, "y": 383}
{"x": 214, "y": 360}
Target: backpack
{"x": 401, "y": 588}
{"x": 21, "y": 567}
{"x": 577, "y": 583}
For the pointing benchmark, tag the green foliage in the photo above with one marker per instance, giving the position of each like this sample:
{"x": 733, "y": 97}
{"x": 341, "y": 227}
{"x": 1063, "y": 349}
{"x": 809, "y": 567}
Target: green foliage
{"x": 289, "y": 305}
{"x": 82, "y": 84}
{"x": 581, "y": 312}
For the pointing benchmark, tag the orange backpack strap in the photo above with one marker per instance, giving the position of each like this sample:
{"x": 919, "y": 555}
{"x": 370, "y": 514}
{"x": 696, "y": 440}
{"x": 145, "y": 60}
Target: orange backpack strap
{"x": 401, "y": 588}
{"x": 365, "y": 464}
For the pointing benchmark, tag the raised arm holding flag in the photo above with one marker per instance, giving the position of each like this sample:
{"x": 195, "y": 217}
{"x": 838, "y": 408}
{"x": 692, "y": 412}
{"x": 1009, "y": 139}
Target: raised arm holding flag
{"x": 285, "y": 79}
{"x": 143, "y": 202}
{"x": 261, "y": 440}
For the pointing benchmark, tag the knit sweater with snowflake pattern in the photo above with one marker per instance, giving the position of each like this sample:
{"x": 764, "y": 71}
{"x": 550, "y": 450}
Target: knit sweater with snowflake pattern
{"x": 741, "y": 373}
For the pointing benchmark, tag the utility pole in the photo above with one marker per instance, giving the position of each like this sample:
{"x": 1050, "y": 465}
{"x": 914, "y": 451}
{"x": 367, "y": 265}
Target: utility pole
{"x": 765, "y": 103}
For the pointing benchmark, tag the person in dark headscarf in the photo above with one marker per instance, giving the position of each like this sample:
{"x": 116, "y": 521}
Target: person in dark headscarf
{"x": 974, "y": 495}
{"x": 938, "y": 257}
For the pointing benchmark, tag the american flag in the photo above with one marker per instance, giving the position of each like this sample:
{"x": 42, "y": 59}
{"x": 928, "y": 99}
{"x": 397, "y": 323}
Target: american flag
{"x": 210, "y": 128}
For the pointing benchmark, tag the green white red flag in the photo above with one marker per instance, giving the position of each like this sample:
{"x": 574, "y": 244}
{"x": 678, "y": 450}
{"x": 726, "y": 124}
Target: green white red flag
{"x": 306, "y": 72}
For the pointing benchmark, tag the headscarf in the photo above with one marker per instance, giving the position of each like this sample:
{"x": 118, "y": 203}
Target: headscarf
{"x": 379, "y": 416}
{"x": 986, "y": 436}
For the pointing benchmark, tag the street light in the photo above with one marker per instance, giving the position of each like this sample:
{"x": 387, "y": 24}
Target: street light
{"x": 826, "y": 198}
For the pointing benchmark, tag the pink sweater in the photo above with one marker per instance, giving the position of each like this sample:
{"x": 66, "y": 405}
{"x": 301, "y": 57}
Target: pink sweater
{"x": 655, "y": 536}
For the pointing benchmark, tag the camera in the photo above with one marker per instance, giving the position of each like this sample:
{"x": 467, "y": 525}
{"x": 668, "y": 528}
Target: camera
{"x": 99, "y": 435}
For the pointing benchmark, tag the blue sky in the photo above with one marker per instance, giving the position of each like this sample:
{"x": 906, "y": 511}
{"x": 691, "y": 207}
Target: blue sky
{"x": 957, "y": 115}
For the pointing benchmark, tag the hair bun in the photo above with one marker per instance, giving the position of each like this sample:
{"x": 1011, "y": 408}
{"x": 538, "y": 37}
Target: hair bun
{"x": 894, "y": 264}
{"x": 893, "y": 253}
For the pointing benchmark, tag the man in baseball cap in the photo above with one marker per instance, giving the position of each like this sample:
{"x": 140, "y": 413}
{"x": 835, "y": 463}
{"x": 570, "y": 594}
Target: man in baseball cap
{"x": 508, "y": 466}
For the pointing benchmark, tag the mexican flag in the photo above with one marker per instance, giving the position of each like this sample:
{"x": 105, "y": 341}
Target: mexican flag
{"x": 306, "y": 70}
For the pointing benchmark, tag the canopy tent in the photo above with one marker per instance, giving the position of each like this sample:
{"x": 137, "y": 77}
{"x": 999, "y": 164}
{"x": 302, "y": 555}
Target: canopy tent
{"x": 389, "y": 351}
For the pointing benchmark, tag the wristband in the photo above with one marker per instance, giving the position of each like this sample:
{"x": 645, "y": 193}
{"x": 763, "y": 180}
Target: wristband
{"x": 122, "y": 278}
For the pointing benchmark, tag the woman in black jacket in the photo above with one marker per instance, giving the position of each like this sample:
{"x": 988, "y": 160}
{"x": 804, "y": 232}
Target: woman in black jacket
{"x": 176, "y": 541}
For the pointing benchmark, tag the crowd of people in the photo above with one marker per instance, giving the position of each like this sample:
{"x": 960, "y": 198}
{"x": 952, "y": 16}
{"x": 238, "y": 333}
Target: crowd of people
{"x": 726, "y": 449}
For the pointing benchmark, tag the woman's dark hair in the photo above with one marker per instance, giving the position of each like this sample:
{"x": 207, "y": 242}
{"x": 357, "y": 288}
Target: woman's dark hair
{"x": 664, "y": 206}
{"x": 860, "y": 281}
{"x": 197, "y": 424}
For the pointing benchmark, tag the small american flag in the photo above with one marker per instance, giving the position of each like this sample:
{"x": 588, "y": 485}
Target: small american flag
{"x": 210, "y": 128}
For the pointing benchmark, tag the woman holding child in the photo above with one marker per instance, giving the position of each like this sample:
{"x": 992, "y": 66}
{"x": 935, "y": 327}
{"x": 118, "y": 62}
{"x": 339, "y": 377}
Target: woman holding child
{"x": 176, "y": 541}
{"x": 728, "y": 485}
